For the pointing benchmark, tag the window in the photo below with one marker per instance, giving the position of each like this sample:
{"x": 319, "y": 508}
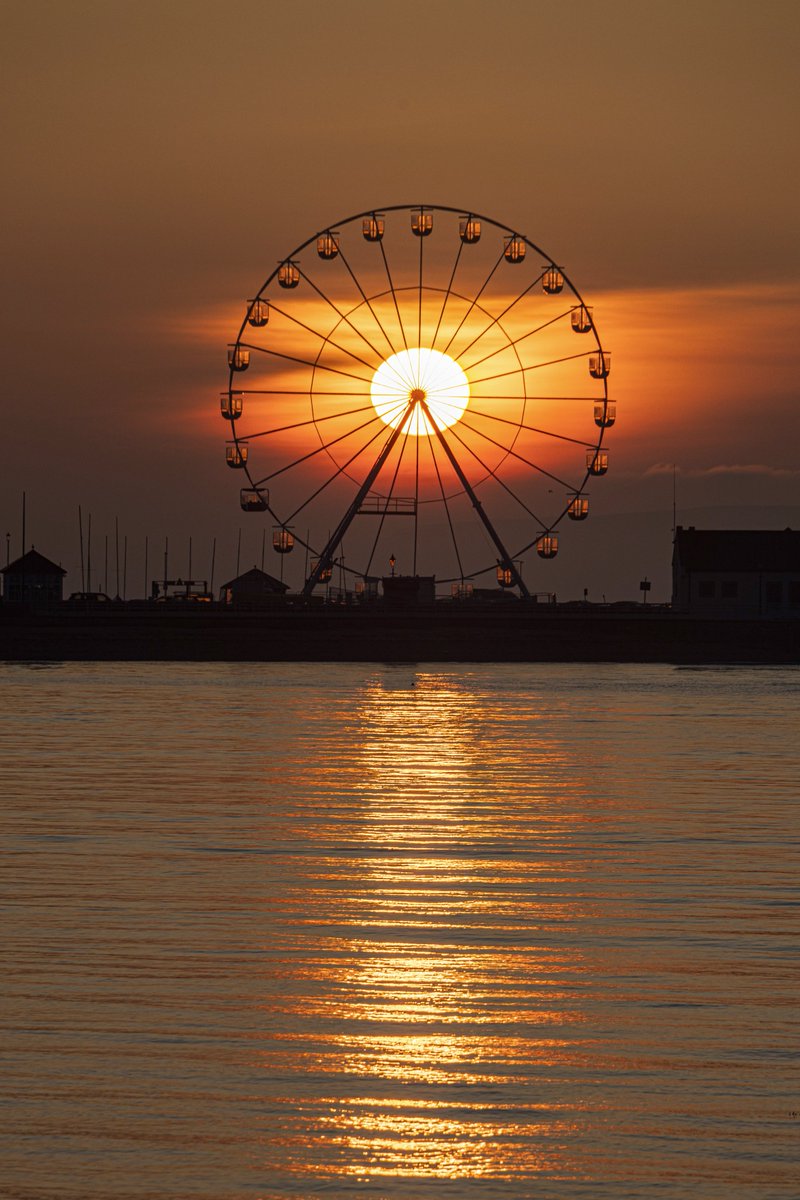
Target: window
{"x": 706, "y": 589}
{"x": 773, "y": 592}
{"x": 794, "y": 593}
{"x": 729, "y": 589}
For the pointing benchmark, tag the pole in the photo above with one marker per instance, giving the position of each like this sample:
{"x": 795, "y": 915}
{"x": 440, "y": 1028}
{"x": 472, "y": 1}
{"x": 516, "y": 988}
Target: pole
{"x": 416, "y": 499}
{"x": 89, "y": 555}
{"x": 105, "y": 565}
{"x": 238, "y": 551}
{"x": 674, "y": 499}
{"x": 213, "y": 560}
{"x": 190, "y": 556}
{"x": 146, "y": 548}
{"x": 116, "y": 549}
{"x": 125, "y": 569}
{"x": 166, "y": 563}
{"x": 80, "y": 535}
{"x": 23, "y": 597}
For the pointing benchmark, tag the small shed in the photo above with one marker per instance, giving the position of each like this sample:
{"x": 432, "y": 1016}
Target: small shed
{"x": 33, "y": 579}
{"x": 736, "y": 572}
{"x": 254, "y": 585}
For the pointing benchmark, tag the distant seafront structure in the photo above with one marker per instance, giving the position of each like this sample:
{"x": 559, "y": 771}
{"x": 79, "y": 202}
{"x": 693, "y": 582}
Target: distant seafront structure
{"x": 251, "y": 588}
{"x": 33, "y": 579}
{"x": 736, "y": 572}
{"x": 737, "y": 601}
{"x": 418, "y": 382}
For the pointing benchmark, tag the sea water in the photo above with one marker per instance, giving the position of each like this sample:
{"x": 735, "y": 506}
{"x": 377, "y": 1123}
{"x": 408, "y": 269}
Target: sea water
{"x": 438, "y": 931}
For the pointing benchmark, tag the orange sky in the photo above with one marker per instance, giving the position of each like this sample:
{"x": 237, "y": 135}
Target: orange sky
{"x": 164, "y": 157}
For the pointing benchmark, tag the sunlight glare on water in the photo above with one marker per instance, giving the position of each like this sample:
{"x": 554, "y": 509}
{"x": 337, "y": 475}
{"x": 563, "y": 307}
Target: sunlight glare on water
{"x": 494, "y": 931}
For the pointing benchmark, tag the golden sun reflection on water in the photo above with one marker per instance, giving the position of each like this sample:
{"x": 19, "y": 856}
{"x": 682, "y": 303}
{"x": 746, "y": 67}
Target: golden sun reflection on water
{"x": 433, "y": 980}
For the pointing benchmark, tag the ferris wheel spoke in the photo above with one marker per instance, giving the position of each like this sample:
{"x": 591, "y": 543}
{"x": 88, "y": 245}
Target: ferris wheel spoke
{"x": 326, "y": 341}
{"x": 517, "y": 426}
{"x": 416, "y": 500}
{"x": 393, "y": 294}
{"x": 339, "y": 471}
{"x": 458, "y": 409}
{"x": 448, "y": 290}
{"x": 562, "y": 437}
{"x": 496, "y": 320}
{"x": 515, "y": 342}
{"x": 294, "y": 392}
{"x": 367, "y": 301}
{"x": 535, "y": 367}
{"x": 508, "y": 450}
{"x": 324, "y": 446}
{"x": 341, "y": 315}
{"x": 388, "y": 498}
{"x": 446, "y": 507}
{"x": 537, "y": 396}
{"x": 473, "y": 302}
{"x": 306, "y": 362}
{"x": 350, "y": 412}
{"x": 419, "y": 319}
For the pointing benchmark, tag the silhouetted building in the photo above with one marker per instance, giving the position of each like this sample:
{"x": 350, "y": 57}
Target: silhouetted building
{"x": 33, "y": 579}
{"x": 736, "y": 572}
{"x": 406, "y": 590}
{"x": 254, "y": 585}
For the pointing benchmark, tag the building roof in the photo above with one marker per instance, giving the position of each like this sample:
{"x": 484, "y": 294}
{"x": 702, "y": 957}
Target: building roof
{"x": 737, "y": 549}
{"x": 255, "y": 576}
{"x": 33, "y": 563}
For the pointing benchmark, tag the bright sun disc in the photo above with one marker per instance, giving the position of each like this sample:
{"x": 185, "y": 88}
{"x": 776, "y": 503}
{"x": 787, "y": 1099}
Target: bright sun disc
{"x": 420, "y": 374}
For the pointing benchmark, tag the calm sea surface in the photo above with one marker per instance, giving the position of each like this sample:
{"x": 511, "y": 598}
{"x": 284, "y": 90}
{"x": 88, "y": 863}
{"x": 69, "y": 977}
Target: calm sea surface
{"x": 343, "y": 931}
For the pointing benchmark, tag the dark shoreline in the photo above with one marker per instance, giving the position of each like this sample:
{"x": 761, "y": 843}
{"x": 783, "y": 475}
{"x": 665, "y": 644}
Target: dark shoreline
{"x": 514, "y": 632}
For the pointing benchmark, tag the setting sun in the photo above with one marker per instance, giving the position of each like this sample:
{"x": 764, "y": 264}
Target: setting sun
{"x": 420, "y": 375}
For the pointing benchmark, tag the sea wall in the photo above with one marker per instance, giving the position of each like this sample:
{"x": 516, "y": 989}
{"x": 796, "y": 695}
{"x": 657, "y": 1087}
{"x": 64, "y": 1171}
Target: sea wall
{"x": 440, "y": 633}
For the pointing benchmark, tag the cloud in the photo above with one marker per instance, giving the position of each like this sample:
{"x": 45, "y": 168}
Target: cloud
{"x": 723, "y": 469}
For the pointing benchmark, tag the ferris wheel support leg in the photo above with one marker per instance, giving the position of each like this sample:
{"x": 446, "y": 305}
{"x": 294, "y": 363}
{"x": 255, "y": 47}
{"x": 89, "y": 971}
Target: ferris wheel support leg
{"x": 476, "y": 504}
{"x": 326, "y": 557}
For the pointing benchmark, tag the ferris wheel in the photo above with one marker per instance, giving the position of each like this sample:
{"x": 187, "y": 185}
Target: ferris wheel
{"x": 418, "y": 385}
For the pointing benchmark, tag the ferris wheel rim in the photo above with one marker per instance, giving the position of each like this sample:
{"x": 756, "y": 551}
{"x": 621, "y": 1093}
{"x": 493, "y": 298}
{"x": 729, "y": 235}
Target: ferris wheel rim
{"x": 595, "y": 443}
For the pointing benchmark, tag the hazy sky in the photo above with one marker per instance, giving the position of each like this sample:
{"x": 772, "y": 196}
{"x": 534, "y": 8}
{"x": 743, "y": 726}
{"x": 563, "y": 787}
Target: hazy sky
{"x": 160, "y": 157}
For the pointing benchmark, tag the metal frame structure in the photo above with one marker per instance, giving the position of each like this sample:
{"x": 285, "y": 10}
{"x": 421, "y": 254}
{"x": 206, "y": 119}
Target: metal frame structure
{"x": 383, "y": 319}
